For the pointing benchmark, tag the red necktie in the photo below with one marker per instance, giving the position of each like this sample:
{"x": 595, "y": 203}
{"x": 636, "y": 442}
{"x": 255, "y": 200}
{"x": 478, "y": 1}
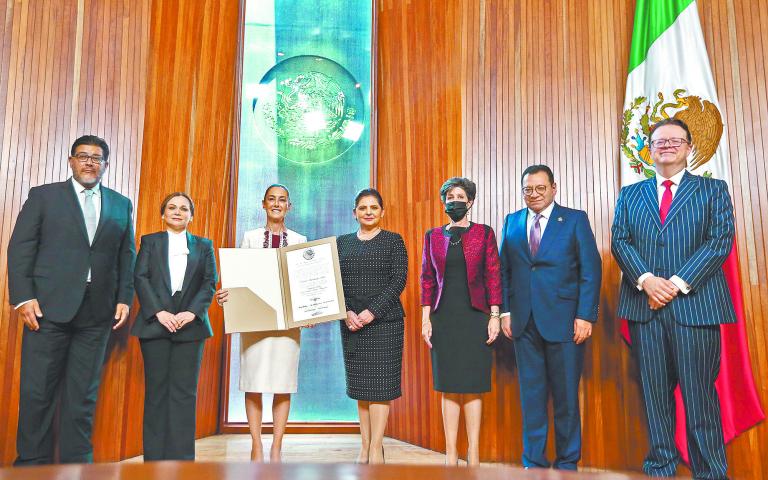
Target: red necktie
{"x": 666, "y": 200}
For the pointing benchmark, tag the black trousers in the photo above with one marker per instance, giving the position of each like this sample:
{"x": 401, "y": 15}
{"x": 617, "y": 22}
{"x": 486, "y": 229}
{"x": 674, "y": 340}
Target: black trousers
{"x": 171, "y": 371}
{"x": 68, "y": 356}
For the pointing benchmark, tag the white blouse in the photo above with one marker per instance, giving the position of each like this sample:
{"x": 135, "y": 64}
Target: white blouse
{"x": 177, "y": 258}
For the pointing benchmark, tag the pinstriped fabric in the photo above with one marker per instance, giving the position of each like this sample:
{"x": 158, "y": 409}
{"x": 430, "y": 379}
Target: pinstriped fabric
{"x": 681, "y": 342}
{"x": 668, "y": 353}
{"x": 693, "y": 243}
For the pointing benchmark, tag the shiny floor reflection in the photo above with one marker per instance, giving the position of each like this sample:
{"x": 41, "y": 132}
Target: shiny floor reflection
{"x": 308, "y": 448}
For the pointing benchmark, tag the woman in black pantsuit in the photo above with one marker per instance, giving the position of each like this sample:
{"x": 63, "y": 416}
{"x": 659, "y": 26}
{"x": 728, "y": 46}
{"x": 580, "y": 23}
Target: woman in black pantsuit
{"x": 175, "y": 280}
{"x": 374, "y": 267}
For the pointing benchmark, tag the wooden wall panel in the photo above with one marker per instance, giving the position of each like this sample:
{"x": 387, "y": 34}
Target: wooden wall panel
{"x": 156, "y": 79}
{"x": 67, "y": 68}
{"x": 543, "y": 82}
{"x": 419, "y": 90}
{"x": 736, "y": 34}
{"x": 561, "y": 97}
{"x": 191, "y": 109}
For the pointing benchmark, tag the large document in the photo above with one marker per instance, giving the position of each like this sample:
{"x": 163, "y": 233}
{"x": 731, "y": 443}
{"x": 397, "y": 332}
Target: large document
{"x": 281, "y": 288}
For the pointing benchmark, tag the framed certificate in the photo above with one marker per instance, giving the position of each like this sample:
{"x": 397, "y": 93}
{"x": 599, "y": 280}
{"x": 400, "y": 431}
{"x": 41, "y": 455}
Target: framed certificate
{"x": 282, "y": 288}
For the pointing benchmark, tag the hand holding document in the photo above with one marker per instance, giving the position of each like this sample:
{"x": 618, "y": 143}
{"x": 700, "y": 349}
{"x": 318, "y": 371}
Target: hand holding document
{"x": 281, "y": 288}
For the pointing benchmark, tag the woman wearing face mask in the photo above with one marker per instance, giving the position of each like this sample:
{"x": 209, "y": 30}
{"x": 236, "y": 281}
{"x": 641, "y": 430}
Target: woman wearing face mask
{"x": 269, "y": 361}
{"x": 175, "y": 279}
{"x": 374, "y": 267}
{"x": 460, "y": 298}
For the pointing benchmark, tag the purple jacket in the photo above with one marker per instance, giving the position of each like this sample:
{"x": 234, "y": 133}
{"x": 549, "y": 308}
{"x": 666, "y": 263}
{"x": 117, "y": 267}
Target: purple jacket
{"x": 483, "y": 266}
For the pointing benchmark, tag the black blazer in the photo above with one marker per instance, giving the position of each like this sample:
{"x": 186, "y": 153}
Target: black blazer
{"x": 153, "y": 287}
{"x": 49, "y": 255}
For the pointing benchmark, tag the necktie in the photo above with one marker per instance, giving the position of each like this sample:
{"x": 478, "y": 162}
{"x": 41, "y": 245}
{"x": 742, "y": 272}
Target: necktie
{"x": 535, "y": 237}
{"x": 89, "y": 212}
{"x": 666, "y": 200}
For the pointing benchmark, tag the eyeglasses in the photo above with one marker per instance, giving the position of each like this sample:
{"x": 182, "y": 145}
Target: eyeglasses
{"x": 83, "y": 158}
{"x": 672, "y": 142}
{"x": 540, "y": 189}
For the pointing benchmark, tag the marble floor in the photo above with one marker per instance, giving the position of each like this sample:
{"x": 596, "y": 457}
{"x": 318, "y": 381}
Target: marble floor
{"x": 305, "y": 448}
{"x": 325, "y": 448}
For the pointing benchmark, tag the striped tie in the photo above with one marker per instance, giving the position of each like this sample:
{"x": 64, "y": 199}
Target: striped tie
{"x": 89, "y": 212}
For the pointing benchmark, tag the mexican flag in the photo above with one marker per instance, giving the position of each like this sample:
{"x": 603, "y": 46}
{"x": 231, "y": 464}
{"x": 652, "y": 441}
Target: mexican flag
{"x": 669, "y": 76}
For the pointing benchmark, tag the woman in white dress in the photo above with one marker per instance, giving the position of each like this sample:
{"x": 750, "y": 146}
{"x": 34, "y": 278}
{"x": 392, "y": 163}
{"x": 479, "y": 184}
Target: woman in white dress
{"x": 269, "y": 361}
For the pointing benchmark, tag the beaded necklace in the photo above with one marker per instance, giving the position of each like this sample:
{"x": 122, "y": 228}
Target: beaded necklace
{"x": 268, "y": 238}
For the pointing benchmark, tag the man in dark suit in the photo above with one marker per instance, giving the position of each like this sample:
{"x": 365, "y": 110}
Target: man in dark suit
{"x": 551, "y": 272}
{"x": 70, "y": 275}
{"x": 671, "y": 235}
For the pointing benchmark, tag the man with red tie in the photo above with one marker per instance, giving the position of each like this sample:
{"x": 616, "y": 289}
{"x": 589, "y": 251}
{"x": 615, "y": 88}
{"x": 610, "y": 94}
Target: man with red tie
{"x": 671, "y": 235}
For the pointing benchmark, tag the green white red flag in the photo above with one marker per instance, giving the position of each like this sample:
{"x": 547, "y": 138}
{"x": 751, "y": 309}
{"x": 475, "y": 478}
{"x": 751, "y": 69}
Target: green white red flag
{"x": 670, "y": 76}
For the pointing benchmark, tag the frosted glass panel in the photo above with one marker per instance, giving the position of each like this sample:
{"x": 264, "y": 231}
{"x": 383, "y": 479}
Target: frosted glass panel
{"x": 305, "y": 122}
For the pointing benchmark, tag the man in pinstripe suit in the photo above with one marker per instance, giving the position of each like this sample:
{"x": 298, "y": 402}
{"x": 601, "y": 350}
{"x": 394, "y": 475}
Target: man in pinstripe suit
{"x": 671, "y": 235}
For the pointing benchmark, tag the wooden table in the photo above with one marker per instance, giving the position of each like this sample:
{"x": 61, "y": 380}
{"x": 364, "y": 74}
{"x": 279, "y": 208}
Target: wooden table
{"x": 292, "y": 471}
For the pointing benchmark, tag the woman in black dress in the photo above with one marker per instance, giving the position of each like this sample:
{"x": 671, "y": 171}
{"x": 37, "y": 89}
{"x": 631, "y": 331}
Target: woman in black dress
{"x": 460, "y": 297}
{"x": 374, "y": 267}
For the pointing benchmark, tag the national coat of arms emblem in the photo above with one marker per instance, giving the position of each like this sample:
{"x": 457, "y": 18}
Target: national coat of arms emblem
{"x": 702, "y": 117}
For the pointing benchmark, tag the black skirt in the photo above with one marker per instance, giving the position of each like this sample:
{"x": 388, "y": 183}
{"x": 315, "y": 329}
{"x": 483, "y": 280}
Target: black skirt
{"x": 461, "y": 360}
{"x": 373, "y": 360}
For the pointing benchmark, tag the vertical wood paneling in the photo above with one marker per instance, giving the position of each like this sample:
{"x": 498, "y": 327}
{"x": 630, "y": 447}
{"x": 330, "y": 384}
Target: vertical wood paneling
{"x": 187, "y": 147}
{"x": 737, "y": 40}
{"x": 484, "y": 88}
{"x": 419, "y": 146}
{"x": 67, "y": 68}
{"x": 573, "y": 88}
{"x": 156, "y": 79}
{"x": 543, "y": 82}
{"x": 419, "y": 104}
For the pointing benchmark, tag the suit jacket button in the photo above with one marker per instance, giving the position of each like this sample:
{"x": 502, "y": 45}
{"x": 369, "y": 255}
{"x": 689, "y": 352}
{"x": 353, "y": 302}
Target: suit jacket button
{"x": 533, "y": 269}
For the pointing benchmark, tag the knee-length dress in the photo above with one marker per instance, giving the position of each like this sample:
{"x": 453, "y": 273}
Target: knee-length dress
{"x": 269, "y": 361}
{"x": 461, "y": 360}
{"x": 374, "y": 273}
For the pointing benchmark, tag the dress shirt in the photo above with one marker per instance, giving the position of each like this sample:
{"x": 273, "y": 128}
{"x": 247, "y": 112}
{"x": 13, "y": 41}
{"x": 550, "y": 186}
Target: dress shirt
{"x": 676, "y": 179}
{"x": 177, "y": 258}
{"x": 543, "y": 220}
{"x": 80, "y": 191}
{"x": 545, "y": 214}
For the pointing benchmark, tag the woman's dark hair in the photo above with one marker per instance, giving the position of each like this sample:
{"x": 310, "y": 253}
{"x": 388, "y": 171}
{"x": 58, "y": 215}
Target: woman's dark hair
{"x": 369, "y": 192}
{"x": 178, "y": 194}
{"x": 464, "y": 183}
{"x": 279, "y": 185}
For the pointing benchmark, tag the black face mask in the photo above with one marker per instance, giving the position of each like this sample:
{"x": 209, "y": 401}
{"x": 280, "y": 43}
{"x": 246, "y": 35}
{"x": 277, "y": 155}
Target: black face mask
{"x": 456, "y": 210}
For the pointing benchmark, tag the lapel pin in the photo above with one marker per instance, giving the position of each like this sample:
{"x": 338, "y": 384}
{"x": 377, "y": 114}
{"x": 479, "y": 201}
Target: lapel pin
{"x": 559, "y": 219}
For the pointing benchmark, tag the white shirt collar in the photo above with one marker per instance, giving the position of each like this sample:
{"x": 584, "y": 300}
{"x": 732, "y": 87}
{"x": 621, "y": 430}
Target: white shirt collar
{"x": 79, "y": 187}
{"x": 177, "y": 243}
{"x": 676, "y": 178}
{"x": 546, "y": 213}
